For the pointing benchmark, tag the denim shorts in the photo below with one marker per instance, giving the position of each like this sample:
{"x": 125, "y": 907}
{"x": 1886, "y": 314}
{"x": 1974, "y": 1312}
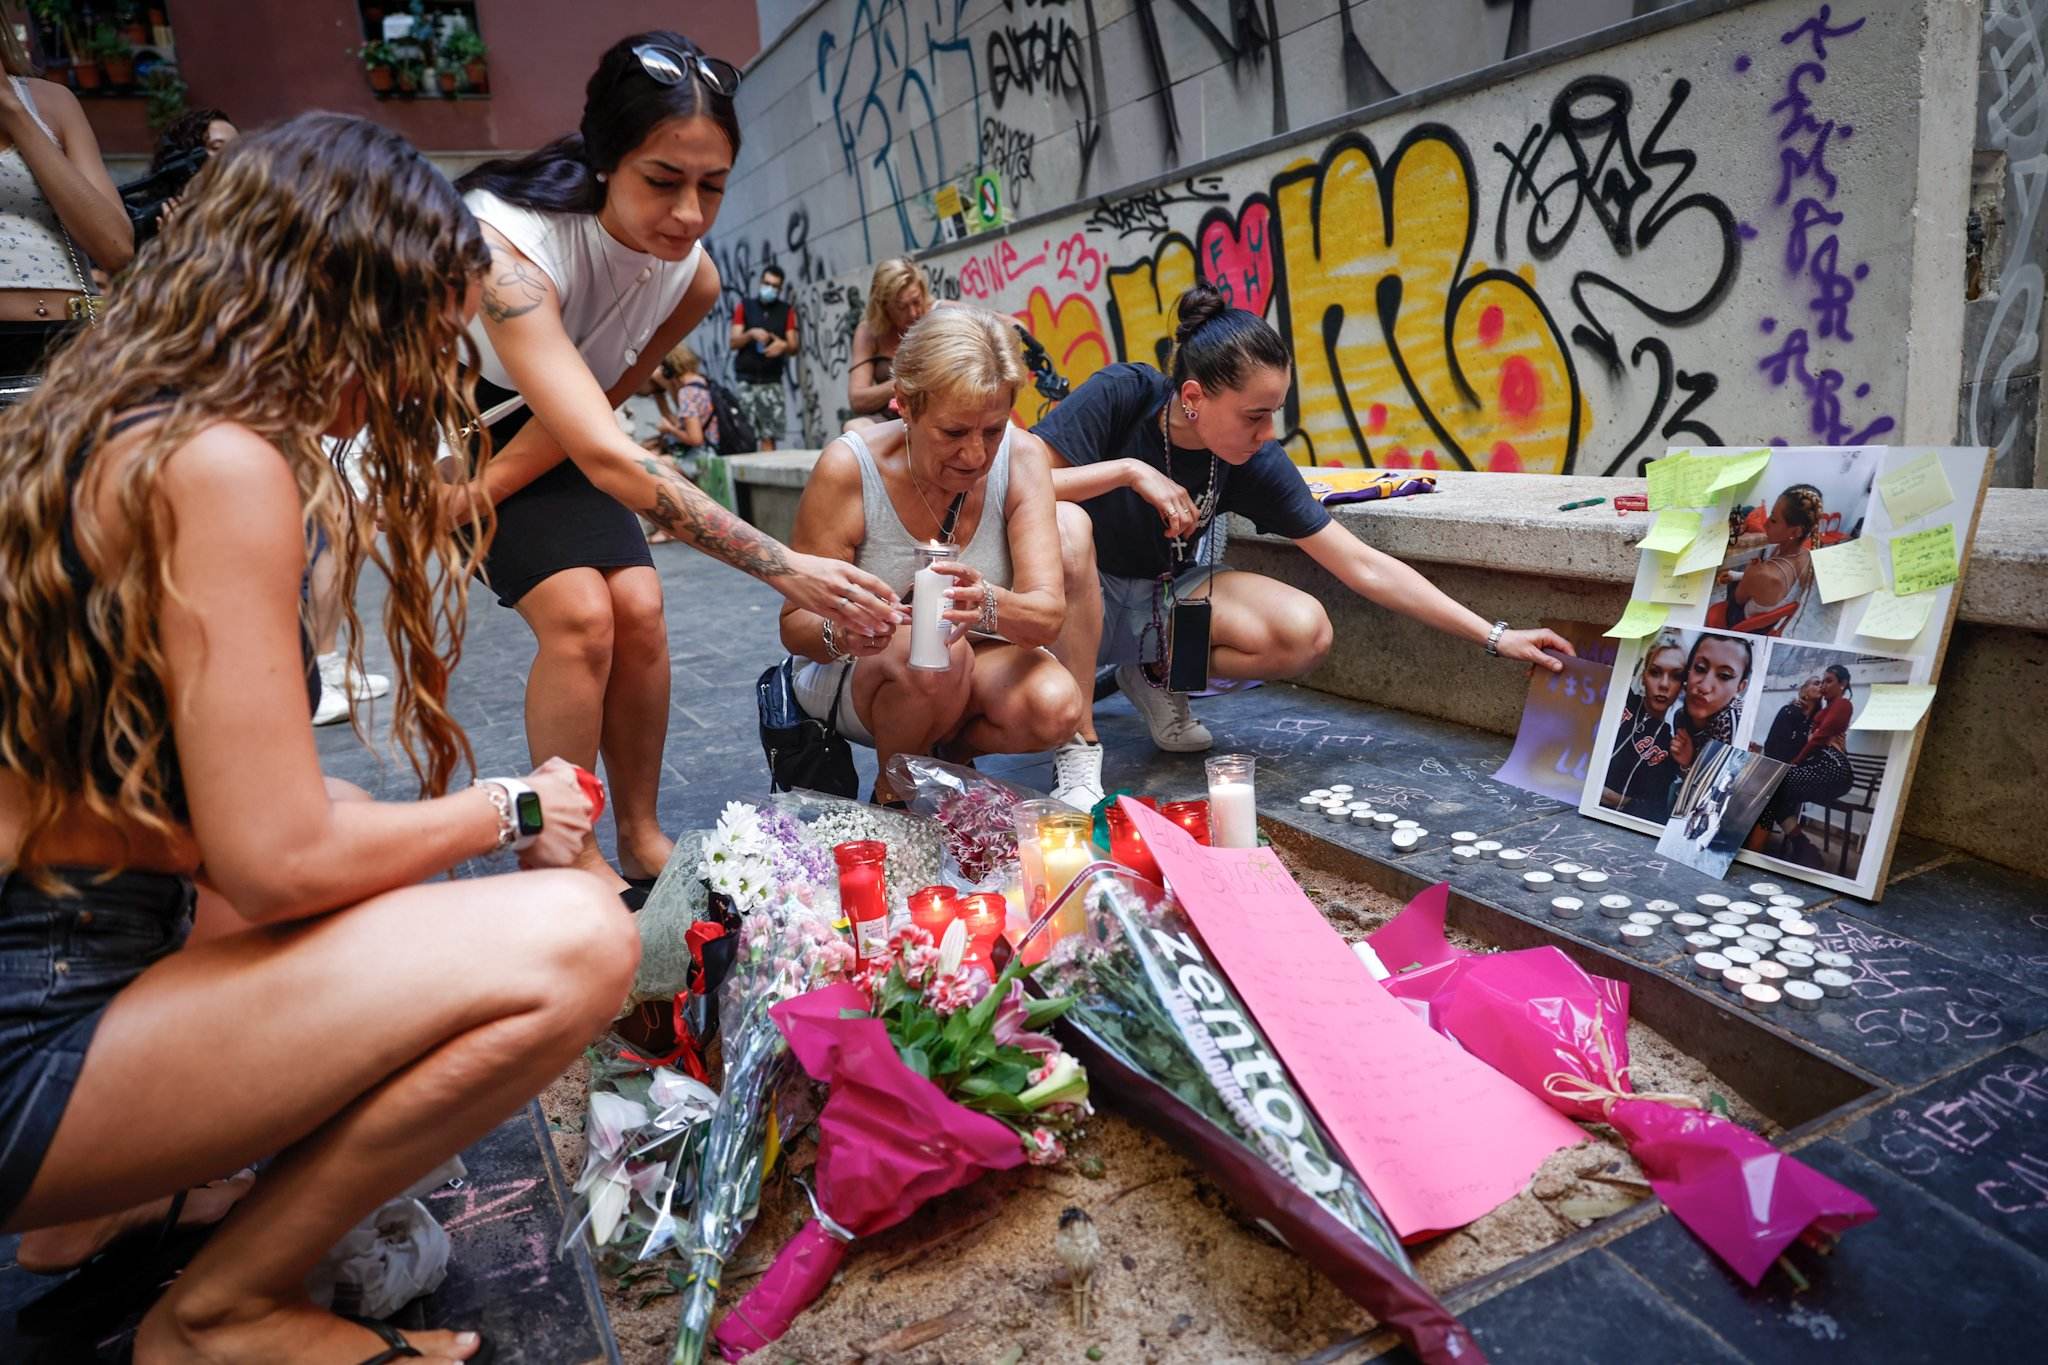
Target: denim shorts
{"x": 62, "y": 959}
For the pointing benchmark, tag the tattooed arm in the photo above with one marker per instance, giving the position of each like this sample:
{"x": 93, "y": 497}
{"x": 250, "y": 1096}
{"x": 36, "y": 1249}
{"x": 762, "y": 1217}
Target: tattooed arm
{"x": 522, "y": 315}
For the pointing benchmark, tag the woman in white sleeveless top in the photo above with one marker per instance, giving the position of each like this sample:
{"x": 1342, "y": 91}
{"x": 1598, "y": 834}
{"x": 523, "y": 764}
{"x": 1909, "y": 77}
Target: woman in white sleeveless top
{"x": 52, "y": 187}
{"x": 597, "y": 271}
{"x": 878, "y": 494}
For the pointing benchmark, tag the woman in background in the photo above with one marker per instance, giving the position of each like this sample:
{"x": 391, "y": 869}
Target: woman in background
{"x": 898, "y": 295}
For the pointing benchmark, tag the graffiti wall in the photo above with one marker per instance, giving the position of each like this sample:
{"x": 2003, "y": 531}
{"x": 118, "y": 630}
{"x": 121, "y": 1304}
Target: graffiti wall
{"x": 1697, "y": 228}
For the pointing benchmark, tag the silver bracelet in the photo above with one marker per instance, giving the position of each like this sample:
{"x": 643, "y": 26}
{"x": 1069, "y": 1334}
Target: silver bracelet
{"x": 1493, "y": 638}
{"x": 833, "y": 653}
{"x": 508, "y": 822}
{"x": 987, "y": 624}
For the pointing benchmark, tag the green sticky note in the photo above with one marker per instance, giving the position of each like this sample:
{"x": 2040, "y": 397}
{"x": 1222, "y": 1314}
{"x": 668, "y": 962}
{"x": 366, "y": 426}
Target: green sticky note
{"x": 1664, "y": 476}
{"x": 1923, "y": 561}
{"x": 1893, "y": 706}
{"x": 1736, "y": 470}
{"x": 1680, "y": 590}
{"x": 1916, "y": 488}
{"x": 1706, "y": 550}
{"x": 1847, "y": 570}
{"x": 1639, "y": 620}
{"x": 1676, "y": 528}
{"x": 1895, "y": 618}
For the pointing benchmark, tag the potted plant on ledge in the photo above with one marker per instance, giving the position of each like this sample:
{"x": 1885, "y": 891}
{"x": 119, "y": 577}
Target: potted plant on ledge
{"x": 408, "y": 78}
{"x": 448, "y": 78}
{"x": 57, "y": 31}
{"x": 379, "y": 65}
{"x": 113, "y": 53}
{"x": 464, "y": 47}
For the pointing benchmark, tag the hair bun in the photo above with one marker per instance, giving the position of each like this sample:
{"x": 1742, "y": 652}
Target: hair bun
{"x": 1197, "y": 306}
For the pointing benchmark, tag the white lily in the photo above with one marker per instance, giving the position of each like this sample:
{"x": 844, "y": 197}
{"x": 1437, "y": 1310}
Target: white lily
{"x": 607, "y": 1207}
{"x": 611, "y": 1118}
{"x": 683, "y": 1100}
{"x": 952, "y": 947}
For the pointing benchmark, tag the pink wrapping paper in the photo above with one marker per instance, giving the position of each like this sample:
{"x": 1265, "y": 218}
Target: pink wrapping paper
{"x": 888, "y": 1140}
{"x": 1551, "y": 1027}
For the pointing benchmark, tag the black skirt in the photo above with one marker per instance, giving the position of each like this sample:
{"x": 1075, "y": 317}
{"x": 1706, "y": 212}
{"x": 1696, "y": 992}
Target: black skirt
{"x": 559, "y": 521}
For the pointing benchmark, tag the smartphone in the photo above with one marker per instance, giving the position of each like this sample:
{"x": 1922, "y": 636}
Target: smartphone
{"x": 1187, "y": 647}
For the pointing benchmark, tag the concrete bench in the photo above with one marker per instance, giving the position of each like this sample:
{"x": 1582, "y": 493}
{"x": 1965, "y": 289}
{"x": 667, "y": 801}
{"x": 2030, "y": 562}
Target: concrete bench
{"x": 1498, "y": 543}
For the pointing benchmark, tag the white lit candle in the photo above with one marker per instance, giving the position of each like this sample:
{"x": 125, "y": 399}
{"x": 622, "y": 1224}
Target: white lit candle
{"x": 1233, "y": 807}
{"x": 928, "y": 601}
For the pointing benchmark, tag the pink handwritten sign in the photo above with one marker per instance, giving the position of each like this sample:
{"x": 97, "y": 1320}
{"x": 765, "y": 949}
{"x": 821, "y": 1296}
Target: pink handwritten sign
{"x": 1439, "y": 1137}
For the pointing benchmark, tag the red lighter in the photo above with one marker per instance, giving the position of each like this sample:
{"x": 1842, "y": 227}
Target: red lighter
{"x": 592, "y": 789}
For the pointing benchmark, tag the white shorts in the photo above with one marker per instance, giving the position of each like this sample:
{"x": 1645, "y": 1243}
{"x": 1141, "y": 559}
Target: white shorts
{"x": 816, "y": 685}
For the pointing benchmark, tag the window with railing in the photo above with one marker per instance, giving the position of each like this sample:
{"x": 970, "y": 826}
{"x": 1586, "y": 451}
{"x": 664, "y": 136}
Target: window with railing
{"x": 424, "y": 49}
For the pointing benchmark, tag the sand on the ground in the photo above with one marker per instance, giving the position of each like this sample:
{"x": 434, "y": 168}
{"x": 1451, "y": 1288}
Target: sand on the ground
{"x": 973, "y": 1276}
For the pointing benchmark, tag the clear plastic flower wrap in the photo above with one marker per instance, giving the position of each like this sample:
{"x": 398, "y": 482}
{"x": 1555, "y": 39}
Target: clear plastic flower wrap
{"x": 978, "y": 813}
{"x": 916, "y": 843}
{"x": 641, "y": 1132}
{"x": 1167, "y": 1040}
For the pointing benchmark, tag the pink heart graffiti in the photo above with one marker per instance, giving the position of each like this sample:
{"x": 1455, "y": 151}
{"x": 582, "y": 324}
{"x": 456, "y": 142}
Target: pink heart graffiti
{"x": 1236, "y": 255}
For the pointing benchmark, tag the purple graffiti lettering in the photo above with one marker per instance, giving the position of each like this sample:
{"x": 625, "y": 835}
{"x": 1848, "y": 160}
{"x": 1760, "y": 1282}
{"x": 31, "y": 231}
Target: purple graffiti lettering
{"x": 1822, "y": 390}
{"x": 1807, "y": 214}
{"x": 1836, "y": 292}
{"x": 1817, "y": 29}
{"x": 1797, "y": 107}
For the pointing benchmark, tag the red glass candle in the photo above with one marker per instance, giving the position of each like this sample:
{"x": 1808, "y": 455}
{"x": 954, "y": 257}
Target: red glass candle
{"x": 1127, "y": 846}
{"x": 1192, "y": 816}
{"x": 986, "y": 913}
{"x": 933, "y": 908}
{"x": 863, "y": 899}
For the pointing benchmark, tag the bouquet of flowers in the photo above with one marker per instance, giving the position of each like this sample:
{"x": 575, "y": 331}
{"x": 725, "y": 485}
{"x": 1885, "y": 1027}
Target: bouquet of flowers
{"x": 1158, "y": 1023}
{"x": 780, "y": 957}
{"x": 1555, "y": 1029}
{"x": 936, "y": 1076}
{"x": 761, "y": 858}
{"x": 642, "y": 1135}
{"x": 916, "y": 849}
{"x": 977, "y": 813}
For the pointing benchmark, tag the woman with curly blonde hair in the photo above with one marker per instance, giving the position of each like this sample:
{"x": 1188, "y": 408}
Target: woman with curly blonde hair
{"x": 898, "y": 295}
{"x": 155, "y": 688}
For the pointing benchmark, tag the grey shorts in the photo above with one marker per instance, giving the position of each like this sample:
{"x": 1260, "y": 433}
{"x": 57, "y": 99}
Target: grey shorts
{"x": 766, "y": 408}
{"x": 1131, "y": 605}
{"x": 62, "y": 961}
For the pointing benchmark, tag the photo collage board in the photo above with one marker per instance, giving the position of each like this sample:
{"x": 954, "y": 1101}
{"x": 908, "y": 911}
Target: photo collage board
{"x": 1779, "y": 654}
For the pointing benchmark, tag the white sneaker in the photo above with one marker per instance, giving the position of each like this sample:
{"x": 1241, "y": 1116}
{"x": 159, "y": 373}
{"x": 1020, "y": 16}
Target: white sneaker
{"x": 366, "y": 686}
{"x": 1077, "y": 774}
{"x": 333, "y": 706}
{"x": 1166, "y": 714}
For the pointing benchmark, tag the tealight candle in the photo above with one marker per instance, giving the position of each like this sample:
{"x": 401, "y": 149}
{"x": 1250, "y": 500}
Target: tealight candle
{"x": 1735, "y": 978}
{"x": 1336, "y": 810}
{"x": 1646, "y": 919}
{"x": 1703, "y": 943}
{"x": 1765, "y": 889}
{"x": 1769, "y": 932}
{"x": 1793, "y": 943}
{"x": 1616, "y": 907}
{"x": 1364, "y": 817}
{"x": 1728, "y": 917}
{"x": 1774, "y": 973}
{"x": 1835, "y": 983}
{"x": 1405, "y": 839}
{"x": 1741, "y": 956}
{"x": 1466, "y": 856}
{"x": 1591, "y": 879}
{"x": 1386, "y": 819}
{"x": 1342, "y": 788}
{"x": 1838, "y": 962}
{"x": 1748, "y": 909}
{"x": 1760, "y": 997}
{"x": 1233, "y": 809}
{"x": 1801, "y": 928}
{"x": 1710, "y": 965}
{"x": 1512, "y": 858}
{"x": 1713, "y": 900}
{"x": 1488, "y": 848}
{"x": 1685, "y": 921}
{"x": 1662, "y": 907}
{"x": 1637, "y": 935}
{"x": 1783, "y": 913}
{"x": 1567, "y": 907}
{"x": 1356, "y": 806}
{"x": 1799, "y": 964}
{"x": 1566, "y": 869}
{"x": 1755, "y": 944}
{"x": 1407, "y": 824}
{"x": 1727, "y": 933}
{"x": 1464, "y": 836}
{"x": 1535, "y": 881}
{"x": 1803, "y": 995}
{"x": 1313, "y": 800}
{"x": 1790, "y": 902}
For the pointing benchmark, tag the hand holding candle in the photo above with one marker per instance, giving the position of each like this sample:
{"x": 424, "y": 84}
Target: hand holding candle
{"x": 930, "y": 642}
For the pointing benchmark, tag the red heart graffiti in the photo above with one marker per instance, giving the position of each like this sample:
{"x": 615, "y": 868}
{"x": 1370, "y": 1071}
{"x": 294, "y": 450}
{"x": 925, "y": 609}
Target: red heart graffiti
{"x": 1236, "y": 254}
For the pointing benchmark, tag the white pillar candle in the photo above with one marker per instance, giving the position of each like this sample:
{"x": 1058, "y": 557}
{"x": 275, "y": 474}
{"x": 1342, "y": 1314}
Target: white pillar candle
{"x": 928, "y": 629}
{"x": 1233, "y": 807}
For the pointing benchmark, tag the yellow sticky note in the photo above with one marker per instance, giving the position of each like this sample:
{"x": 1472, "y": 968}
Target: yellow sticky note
{"x": 1924, "y": 560}
{"x": 1916, "y": 488}
{"x": 1676, "y": 528}
{"x": 1895, "y": 618}
{"x": 1665, "y": 478}
{"x": 1639, "y": 620}
{"x": 1893, "y": 706}
{"x": 1847, "y": 570}
{"x": 1735, "y": 471}
{"x": 1706, "y": 550}
{"x": 1680, "y": 590}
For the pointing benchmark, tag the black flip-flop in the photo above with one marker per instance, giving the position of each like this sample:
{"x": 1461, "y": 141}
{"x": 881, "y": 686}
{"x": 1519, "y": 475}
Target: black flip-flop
{"x": 633, "y": 897}
{"x": 642, "y": 884}
{"x": 396, "y": 1347}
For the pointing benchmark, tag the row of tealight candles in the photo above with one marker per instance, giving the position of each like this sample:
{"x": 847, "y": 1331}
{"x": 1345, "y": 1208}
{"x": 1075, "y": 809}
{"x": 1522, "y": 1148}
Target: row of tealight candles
{"x": 1339, "y": 804}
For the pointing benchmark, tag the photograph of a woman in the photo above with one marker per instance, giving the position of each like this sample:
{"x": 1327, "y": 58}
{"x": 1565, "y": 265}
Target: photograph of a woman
{"x": 1688, "y": 688}
{"x": 1716, "y": 806}
{"x": 1806, "y": 500}
{"x": 1820, "y": 815}
{"x": 1639, "y": 769}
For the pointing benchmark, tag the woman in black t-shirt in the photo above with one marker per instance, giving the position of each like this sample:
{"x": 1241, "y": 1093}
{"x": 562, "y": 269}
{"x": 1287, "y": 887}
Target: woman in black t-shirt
{"x": 1138, "y": 448}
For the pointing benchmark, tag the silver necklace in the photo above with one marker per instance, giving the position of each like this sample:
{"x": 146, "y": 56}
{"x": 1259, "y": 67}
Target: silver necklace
{"x": 1205, "y": 508}
{"x": 619, "y": 303}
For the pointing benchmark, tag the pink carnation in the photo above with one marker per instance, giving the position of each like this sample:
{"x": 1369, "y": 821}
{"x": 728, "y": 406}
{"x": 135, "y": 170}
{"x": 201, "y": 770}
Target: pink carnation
{"x": 1041, "y": 1148}
{"x": 836, "y": 961}
{"x": 956, "y": 990}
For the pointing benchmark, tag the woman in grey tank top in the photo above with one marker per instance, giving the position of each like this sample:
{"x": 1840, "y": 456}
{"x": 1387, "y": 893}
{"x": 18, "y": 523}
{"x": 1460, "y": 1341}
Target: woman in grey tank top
{"x": 879, "y": 494}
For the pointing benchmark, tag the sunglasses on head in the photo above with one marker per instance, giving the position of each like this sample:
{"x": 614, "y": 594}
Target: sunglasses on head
{"x": 671, "y": 66}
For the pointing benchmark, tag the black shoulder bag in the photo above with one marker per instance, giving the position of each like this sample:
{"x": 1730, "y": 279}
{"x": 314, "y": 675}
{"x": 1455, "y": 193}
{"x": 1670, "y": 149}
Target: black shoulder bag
{"x": 802, "y": 750}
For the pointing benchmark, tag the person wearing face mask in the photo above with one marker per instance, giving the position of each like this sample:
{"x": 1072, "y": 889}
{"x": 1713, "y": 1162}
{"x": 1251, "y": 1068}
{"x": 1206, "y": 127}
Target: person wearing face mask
{"x": 898, "y": 295}
{"x": 952, "y": 470}
{"x": 1639, "y": 772}
{"x": 598, "y": 271}
{"x": 1157, "y": 459}
{"x": 763, "y": 340}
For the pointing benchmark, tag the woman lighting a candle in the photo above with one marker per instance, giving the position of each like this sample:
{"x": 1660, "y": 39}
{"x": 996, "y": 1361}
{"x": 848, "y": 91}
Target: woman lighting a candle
{"x": 950, "y": 471}
{"x": 1155, "y": 458}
